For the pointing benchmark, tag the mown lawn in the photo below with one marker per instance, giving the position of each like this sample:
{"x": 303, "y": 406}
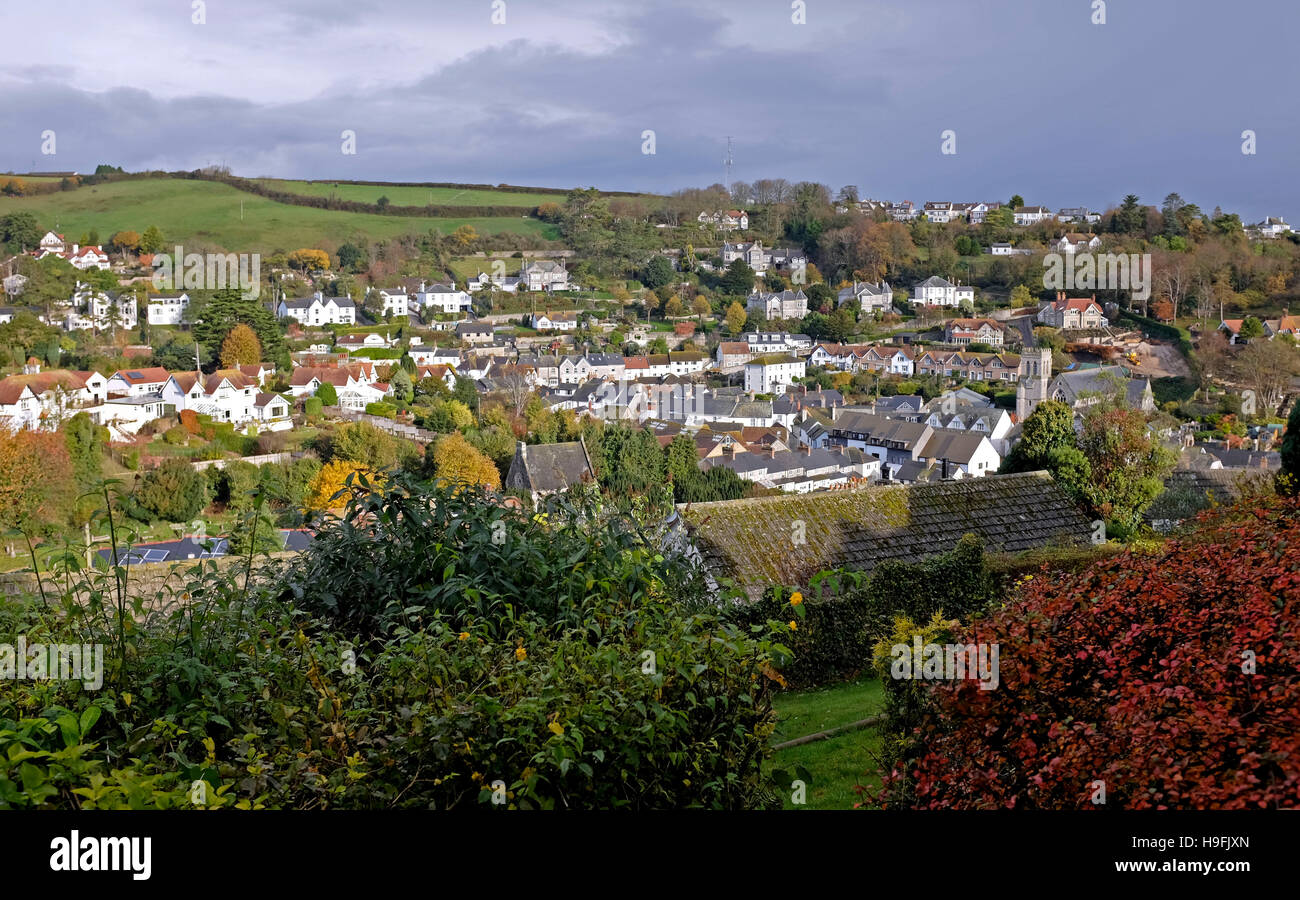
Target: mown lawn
{"x": 206, "y": 215}
{"x": 838, "y": 764}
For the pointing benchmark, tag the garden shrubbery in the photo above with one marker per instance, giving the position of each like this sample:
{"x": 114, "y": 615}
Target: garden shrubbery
{"x": 847, "y": 613}
{"x": 1170, "y": 678}
{"x": 431, "y": 650}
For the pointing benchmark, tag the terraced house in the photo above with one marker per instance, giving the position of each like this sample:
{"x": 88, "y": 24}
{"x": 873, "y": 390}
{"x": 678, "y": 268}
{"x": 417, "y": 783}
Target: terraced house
{"x": 971, "y": 366}
{"x": 894, "y": 359}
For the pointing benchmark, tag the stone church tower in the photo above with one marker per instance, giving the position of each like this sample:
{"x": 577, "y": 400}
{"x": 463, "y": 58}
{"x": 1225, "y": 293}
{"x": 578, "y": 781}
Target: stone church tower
{"x": 1035, "y": 373}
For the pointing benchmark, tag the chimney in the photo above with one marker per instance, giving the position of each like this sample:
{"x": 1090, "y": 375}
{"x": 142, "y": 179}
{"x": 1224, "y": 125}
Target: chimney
{"x": 807, "y": 451}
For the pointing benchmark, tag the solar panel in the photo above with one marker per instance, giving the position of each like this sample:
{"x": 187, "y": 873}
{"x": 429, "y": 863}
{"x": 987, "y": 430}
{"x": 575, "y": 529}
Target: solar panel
{"x": 134, "y": 374}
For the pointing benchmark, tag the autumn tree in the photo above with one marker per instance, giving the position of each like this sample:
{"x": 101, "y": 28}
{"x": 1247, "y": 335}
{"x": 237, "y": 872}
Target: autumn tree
{"x": 700, "y": 307}
{"x": 457, "y": 463}
{"x": 323, "y": 492}
{"x": 307, "y": 259}
{"x": 735, "y": 317}
{"x": 241, "y": 347}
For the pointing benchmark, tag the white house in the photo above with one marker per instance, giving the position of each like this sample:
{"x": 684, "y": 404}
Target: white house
{"x": 769, "y": 374}
{"x": 443, "y": 298}
{"x": 393, "y": 302}
{"x": 937, "y": 291}
{"x": 482, "y": 281}
{"x": 549, "y": 321}
{"x": 371, "y": 341}
{"x": 226, "y": 395}
{"x": 1076, "y": 243}
{"x": 96, "y": 310}
{"x": 138, "y": 382}
{"x": 168, "y": 309}
{"x": 319, "y": 310}
{"x": 1031, "y": 215}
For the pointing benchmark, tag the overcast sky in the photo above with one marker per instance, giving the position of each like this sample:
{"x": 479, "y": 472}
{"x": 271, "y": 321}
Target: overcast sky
{"x": 1043, "y": 102}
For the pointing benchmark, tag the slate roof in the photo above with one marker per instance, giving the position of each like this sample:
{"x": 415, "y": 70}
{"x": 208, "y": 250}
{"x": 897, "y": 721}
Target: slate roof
{"x": 549, "y": 467}
{"x": 1188, "y": 491}
{"x": 750, "y": 540}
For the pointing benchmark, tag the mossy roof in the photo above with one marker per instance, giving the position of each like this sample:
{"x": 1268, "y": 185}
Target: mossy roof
{"x": 754, "y": 541}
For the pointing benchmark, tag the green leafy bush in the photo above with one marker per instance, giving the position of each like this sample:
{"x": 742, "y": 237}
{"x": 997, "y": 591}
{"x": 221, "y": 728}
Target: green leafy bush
{"x": 600, "y": 681}
{"x": 847, "y": 613}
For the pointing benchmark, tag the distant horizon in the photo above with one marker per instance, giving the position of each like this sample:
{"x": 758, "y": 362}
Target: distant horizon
{"x": 502, "y": 185}
{"x": 1040, "y": 99}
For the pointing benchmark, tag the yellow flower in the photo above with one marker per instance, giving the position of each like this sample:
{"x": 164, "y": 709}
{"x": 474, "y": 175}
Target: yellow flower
{"x": 556, "y": 728}
{"x": 796, "y": 598}
{"x": 521, "y": 654}
{"x": 793, "y": 626}
{"x": 464, "y": 635}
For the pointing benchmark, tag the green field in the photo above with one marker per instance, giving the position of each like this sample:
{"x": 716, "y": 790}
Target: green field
{"x": 207, "y": 215}
{"x": 411, "y": 196}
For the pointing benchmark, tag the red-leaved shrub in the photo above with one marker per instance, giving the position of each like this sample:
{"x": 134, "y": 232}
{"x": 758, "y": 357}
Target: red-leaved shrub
{"x": 1134, "y": 673}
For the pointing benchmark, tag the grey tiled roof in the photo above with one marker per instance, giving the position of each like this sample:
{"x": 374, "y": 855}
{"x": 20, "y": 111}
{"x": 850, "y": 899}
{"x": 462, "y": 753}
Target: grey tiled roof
{"x": 750, "y": 540}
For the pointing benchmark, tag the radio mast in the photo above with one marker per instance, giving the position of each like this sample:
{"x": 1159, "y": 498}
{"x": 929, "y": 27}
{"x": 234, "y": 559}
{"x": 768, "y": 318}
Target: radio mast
{"x": 727, "y": 163}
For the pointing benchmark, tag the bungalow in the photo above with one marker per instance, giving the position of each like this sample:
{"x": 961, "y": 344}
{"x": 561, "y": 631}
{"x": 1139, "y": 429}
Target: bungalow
{"x": 549, "y": 321}
{"x": 371, "y": 341}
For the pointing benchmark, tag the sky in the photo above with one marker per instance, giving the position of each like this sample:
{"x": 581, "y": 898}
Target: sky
{"x": 1040, "y": 99}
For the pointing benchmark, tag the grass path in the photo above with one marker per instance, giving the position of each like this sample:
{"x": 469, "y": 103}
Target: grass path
{"x": 836, "y": 764}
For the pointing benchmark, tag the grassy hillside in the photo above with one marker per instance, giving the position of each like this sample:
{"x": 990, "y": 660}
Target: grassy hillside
{"x": 209, "y": 213}
{"x": 411, "y": 196}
